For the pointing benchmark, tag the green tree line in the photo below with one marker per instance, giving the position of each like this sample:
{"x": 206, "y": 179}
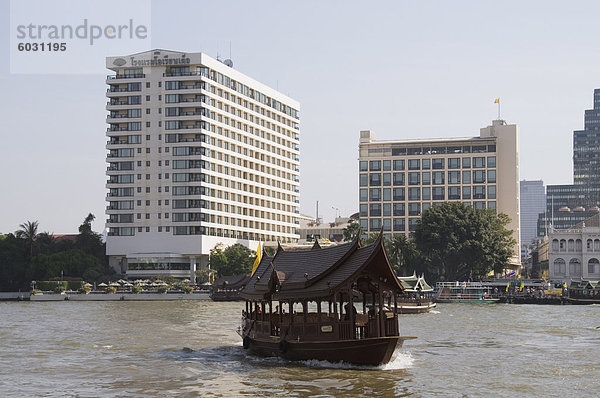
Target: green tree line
{"x": 28, "y": 254}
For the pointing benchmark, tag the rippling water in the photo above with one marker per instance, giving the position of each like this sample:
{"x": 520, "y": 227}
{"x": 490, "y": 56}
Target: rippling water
{"x": 190, "y": 348}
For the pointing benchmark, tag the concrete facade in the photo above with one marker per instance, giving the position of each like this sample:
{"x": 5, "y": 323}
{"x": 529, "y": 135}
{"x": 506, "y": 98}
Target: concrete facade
{"x": 198, "y": 154}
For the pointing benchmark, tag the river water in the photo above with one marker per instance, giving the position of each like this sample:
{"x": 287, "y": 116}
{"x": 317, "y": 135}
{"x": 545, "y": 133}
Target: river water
{"x": 190, "y": 348}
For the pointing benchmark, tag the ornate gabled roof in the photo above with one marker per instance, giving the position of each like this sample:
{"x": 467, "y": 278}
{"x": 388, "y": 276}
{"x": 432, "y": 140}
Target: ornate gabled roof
{"x": 415, "y": 283}
{"x": 316, "y": 273}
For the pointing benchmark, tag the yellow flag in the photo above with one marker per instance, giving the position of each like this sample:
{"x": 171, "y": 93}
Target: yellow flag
{"x": 522, "y": 286}
{"x": 507, "y": 285}
{"x": 497, "y": 101}
{"x": 258, "y": 258}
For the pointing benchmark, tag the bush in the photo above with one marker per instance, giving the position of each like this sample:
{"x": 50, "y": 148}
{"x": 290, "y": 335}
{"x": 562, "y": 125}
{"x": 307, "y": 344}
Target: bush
{"x": 36, "y": 291}
{"x": 187, "y": 289}
{"x": 136, "y": 289}
{"x": 74, "y": 285}
{"x": 111, "y": 289}
{"x": 162, "y": 289}
{"x": 50, "y": 286}
{"x": 84, "y": 289}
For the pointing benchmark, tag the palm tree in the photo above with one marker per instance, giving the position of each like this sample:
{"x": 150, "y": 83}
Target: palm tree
{"x": 28, "y": 232}
{"x": 351, "y": 231}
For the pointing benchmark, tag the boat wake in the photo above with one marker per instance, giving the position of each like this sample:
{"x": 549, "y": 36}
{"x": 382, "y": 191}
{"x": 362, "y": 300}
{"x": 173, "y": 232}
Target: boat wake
{"x": 400, "y": 360}
{"x": 434, "y": 312}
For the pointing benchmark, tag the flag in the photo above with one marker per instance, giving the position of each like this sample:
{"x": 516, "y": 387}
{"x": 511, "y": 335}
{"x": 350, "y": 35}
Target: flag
{"x": 522, "y": 286}
{"x": 497, "y": 101}
{"x": 507, "y": 286}
{"x": 257, "y": 260}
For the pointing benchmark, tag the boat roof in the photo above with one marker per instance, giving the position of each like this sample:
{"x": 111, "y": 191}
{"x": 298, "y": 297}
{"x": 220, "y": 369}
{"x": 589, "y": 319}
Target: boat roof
{"x": 415, "y": 283}
{"x": 318, "y": 272}
{"x": 231, "y": 282}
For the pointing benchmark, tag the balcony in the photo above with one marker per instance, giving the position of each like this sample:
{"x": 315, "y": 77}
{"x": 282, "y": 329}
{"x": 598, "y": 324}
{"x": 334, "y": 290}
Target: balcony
{"x": 135, "y": 76}
{"x": 113, "y": 89}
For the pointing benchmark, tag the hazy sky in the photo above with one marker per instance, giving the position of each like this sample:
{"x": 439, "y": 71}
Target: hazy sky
{"x": 404, "y": 69}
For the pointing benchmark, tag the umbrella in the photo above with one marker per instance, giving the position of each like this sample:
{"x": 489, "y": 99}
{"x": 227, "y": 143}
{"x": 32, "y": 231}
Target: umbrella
{"x": 127, "y": 284}
{"x": 87, "y": 284}
{"x": 114, "y": 284}
{"x": 102, "y": 284}
{"x": 163, "y": 284}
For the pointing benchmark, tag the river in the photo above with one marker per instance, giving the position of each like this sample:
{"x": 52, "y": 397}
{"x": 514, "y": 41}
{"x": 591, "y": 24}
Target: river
{"x": 190, "y": 348}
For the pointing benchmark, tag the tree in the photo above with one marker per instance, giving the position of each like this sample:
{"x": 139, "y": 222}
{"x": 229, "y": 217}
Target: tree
{"x": 236, "y": 259}
{"x": 460, "y": 242}
{"x": 403, "y": 254}
{"x": 28, "y": 232}
{"x": 351, "y": 231}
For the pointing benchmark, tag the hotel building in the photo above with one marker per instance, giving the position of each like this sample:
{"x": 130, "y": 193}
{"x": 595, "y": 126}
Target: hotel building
{"x": 198, "y": 154}
{"x": 400, "y": 179}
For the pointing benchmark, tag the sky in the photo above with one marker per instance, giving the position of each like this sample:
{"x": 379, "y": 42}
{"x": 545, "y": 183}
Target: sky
{"x": 403, "y": 69}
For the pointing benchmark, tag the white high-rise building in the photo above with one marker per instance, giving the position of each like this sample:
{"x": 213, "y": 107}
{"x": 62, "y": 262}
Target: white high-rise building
{"x": 199, "y": 154}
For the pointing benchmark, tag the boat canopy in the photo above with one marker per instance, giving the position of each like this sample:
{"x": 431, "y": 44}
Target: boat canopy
{"x": 320, "y": 272}
{"x": 415, "y": 284}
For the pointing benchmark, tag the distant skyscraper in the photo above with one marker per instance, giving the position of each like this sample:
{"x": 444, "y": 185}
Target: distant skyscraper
{"x": 533, "y": 202}
{"x": 567, "y": 205}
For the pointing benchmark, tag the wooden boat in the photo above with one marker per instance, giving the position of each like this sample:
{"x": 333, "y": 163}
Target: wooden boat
{"x": 583, "y": 292}
{"x": 226, "y": 288}
{"x": 417, "y": 297}
{"x": 312, "y": 304}
{"x": 464, "y": 292}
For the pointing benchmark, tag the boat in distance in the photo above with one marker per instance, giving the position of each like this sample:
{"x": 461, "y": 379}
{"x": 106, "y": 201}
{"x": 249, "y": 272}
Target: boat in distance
{"x": 333, "y": 304}
{"x": 417, "y": 297}
{"x": 464, "y": 292}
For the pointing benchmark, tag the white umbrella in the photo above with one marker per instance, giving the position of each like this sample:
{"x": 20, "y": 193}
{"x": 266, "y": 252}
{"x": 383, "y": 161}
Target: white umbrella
{"x": 87, "y": 284}
{"x": 127, "y": 284}
{"x": 163, "y": 284}
{"x": 102, "y": 284}
{"x": 114, "y": 284}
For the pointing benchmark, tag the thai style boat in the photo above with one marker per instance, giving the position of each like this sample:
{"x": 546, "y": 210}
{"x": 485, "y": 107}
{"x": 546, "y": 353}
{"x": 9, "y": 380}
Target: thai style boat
{"x": 226, "y": 288}
{"x": 312, "y": 304}
{"x": 464, "y": 292}
{"x": 417, "y": 297}
{"x": 583, "y": 292}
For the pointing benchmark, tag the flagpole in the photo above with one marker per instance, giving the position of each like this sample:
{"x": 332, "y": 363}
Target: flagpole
{"x": 498, "y": 108}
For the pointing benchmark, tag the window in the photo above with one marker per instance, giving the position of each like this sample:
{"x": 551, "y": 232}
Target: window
{"x": 479, "y": 205}
{"x": 412, "y": 224}
{"x": 414, "y": 209}
{"x": 364, "y": 210}
{"x": 479, "y": 162}
{"x": 375, "y": 194}
{"x": 426, "y": 178}
{"x": 438, "y": 193}
{"x": 413, "y": 164}
{"x": 363, "y": 165}
{"x": 363, "y": 180}
{"x": 478, "y": 176}
{"x": 399, "y": 165}
{"x": 466, "y": 163}
{"x": 454, "y": 177}
{"x": 387, "y": 165}
{"x": 454, "y": 163}
{"x": 479, "y": 192}
{"x": 413, "y": 178}
{"x": 491, "y": 161}
{"x": 426, "y": 164}
{"x": 399, "y": 224}
{"x": 387, "y": 224}
{"x": 375, "y": 179}
{"x": 491, "y": 191}
{"x": 593, "y": 266}
{"x": 398, "y": 178}
{"x": 387, "y": 179}
{"x": 375, "y": 165}
{"x": 387, "y": 194}
{"x": 491, "y": 175}
{"x": 364, "y": 195}
{"x": 375, "y": 224}
{"x": 387, "y": 209}
{"x": 575, "y": 267}
{"x": 466, "y": 177}
{"x": 453, "y": 193}
{"x": 171, "y": 98}
{"x": 398, "y": 194}
{"x": 375, "y": 210}
{"x": 426, "y": 193}
{"x": 414, "y": 193}
{"x": 398, "y": 209}
{"x": 438, "y": 164}
{"x": 438, "y": 178}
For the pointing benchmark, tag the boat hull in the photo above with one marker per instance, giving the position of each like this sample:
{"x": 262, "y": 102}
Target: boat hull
{"x": 369, "y": 351}
{"x": 415, "y": 308}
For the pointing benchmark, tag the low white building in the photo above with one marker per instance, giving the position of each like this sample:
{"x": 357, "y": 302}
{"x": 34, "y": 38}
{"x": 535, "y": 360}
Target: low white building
{"x": 574, "y": 253}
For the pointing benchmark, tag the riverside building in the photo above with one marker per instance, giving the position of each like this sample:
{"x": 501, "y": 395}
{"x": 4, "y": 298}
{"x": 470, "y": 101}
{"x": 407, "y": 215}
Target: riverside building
{"x": 198, "y": 154}
{"x": 400, "y": 179}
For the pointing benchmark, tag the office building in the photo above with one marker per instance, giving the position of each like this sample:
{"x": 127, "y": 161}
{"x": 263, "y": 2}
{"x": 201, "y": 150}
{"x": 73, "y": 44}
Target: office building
{"x": 198, "y": 154}
{"x": 533, "y": 202}
{"x": 567, "y": 205}
{"x": 400, "y": 179}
